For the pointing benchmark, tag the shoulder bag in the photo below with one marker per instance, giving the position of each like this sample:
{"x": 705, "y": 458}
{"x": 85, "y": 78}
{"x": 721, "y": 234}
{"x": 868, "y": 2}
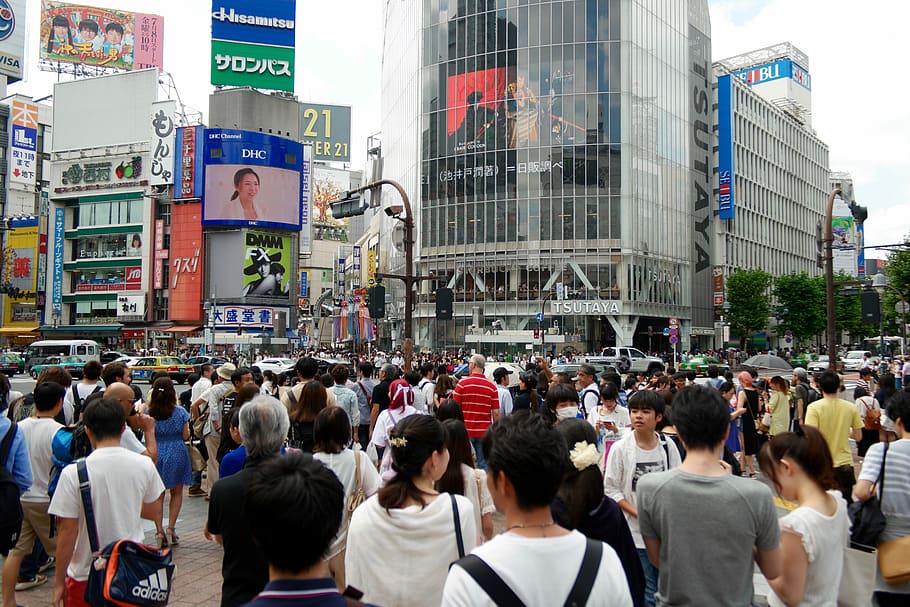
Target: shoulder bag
{"x": 358, "y": 496}
{"x": 125, "y": 573}
{"x": 867, "y": 520}
{"x": 459, "y": 539}
{"x": 894, "y": 560}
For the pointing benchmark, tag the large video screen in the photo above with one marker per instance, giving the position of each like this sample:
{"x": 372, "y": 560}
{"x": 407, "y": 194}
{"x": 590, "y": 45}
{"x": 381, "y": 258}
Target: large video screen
{"x": 251, "y": 179}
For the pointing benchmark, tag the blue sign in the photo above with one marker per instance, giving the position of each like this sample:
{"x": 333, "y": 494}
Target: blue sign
{"x": 57, "y": 290}
{"x": 725, "y": 166}
{"x": 270, "y": 23}
{"x": 188, "y": 162}
{"x": 782, "y": 68}
{"x": 539, "y": 317}
{"x": 306, "y": 339}
{"x": 252, "y": 179}
{"x": 666, "y": 330}
{"x": 304, "y": 284}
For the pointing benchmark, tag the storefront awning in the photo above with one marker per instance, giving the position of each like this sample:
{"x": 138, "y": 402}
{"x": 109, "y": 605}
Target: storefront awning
{"x": 181, "y": 329}
{"x": 18, "y": 330}
{"x": 80, "y": 328}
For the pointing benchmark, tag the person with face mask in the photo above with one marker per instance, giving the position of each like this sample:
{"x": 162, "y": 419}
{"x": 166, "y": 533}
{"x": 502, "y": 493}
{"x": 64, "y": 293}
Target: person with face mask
{"x": 562, "y": 403}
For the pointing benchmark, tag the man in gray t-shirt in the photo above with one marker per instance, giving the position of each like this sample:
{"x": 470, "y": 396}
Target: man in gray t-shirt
{"x": 700, "y": 523}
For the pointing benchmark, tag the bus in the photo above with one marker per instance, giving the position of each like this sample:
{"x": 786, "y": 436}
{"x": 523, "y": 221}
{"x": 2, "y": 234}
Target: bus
{"x": 85, "y": 349}
{"x": 892, "y": 346}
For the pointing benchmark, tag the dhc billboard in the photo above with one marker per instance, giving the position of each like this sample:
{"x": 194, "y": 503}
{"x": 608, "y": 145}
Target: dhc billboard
{"x": 782, "y": 68}
{"x": 726, "y": 174}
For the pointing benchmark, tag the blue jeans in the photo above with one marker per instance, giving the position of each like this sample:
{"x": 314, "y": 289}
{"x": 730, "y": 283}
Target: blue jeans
{"x": 651, "y": 574}
{"x": 477, "y": 443}
{"x": 30, "y": 563}
{"x": 363, "y": 436}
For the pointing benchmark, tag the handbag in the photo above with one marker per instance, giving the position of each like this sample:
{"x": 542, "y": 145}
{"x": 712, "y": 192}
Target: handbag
{"x": 125, "y": 573}
{"x": 894, "y": 560}
{"x": 197, "y": 462}
{"x": 857, "y": 582}
{"x": 358, "y": 496}
{"x": 198, "y": 425}
{"x": 766, "y": 421}
{"x": 867, "y": 520}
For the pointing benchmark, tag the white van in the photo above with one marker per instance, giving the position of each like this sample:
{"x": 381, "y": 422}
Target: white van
{"x": 85, "y": 349}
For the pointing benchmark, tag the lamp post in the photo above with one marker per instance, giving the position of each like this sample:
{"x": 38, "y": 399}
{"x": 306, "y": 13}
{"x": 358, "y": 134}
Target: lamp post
{"x": 830, "y": 332}
{"x": 880, "y": 284}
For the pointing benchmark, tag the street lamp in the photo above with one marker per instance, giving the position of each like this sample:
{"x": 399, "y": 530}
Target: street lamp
{"x": 880, "y": 284}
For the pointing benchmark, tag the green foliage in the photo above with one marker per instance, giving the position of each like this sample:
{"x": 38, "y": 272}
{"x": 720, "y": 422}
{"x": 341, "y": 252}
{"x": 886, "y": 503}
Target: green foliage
{"x": 848, "y": 312}
{"x": 747, "y": 293}
{"x": 898, "y": 273}
{"x": 800, "y": 304}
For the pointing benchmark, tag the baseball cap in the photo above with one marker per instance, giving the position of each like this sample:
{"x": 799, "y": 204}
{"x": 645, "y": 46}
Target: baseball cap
{"x": 501, "y": 372}
{"x": 226, "y": 370}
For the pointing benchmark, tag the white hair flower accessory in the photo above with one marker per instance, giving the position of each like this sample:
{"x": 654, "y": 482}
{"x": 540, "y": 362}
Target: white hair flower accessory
{"x": 584, "y": 454}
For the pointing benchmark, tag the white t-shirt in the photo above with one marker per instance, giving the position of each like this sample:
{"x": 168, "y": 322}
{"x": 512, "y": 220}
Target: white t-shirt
{"x": 824, "y": 539}
{"x": 646, "y": 462}
{"x": 121, "y": 482}
{"x": 540, "y": 571}
{"x": 199, "y": 387}
{"x": 427, "y": 387}
{"x": 344, "y": 466}
{"x": 483, "y": 503}
{"x": 69, "y": 403}
{"x": 129, "y": 442}
{"x": 39, "y": 432}
{"x": 505, "y": 400}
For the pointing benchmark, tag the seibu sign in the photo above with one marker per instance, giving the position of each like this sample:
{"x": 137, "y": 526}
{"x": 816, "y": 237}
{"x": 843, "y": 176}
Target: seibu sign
{"x": 591, "y": 307}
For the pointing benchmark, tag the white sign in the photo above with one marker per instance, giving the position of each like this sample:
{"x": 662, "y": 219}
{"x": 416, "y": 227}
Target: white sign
{"x": 594, "y": 307}
{"x": 23, "y": 143}
{"x": 131, "y": 306}
{"x": 306, "y": 193}
{"x": 163, "y": 134}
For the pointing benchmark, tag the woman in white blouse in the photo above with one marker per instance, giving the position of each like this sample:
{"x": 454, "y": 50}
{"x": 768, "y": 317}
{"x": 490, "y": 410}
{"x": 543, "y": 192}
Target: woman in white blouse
{"x": 463, "y": 478}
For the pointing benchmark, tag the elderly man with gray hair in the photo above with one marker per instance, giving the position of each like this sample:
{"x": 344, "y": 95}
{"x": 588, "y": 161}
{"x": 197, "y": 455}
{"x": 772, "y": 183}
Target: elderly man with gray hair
{"x": 479, "y": 400}
{"x": 245, "y": 571}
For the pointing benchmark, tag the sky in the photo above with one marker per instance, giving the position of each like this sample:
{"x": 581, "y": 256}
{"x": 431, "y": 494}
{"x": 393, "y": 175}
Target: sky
{"x": 859, "y": 100}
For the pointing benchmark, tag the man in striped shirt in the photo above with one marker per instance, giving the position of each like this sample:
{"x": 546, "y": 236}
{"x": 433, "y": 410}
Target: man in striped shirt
{"x": 479, "y": 400}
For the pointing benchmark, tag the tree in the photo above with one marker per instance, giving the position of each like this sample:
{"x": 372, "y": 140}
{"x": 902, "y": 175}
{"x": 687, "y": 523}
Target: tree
{"x": 800, "y": 304}
{"x": 898, "y": 273}
{"x": 848, "y": 312}
{"x": 747, "y": 293}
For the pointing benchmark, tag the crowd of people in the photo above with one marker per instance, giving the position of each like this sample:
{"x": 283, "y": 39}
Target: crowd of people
{"x": 640, "y": 490}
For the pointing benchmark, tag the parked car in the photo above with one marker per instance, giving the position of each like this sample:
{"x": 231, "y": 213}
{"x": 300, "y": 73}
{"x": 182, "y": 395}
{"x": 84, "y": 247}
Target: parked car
{"x": 145, "y": 367}
{"x": 626, "y": 359}
{"x": 72, "y": 364}
{"x": 197, "y": 361}
{"x": 853, "y": 360}
{"x": 275, "y": 365}
{"x": 821, "y": 364}
{"x": 11, "y": 363}
{"x": 110, "y": 356}
{"x": 571, "y": 369}
{"x": 700, "y": 363}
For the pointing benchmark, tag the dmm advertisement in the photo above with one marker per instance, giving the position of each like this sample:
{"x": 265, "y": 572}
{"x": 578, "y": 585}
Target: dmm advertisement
{"x": 186, "y": 262}
{"x": 12, "y": 39}
{"x": 111, "y": 38}
{"x": 266, "y": 265}
{"x": 251, "y": 179}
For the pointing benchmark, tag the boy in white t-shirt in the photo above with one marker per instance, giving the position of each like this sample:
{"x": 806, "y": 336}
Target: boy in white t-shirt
{"x": 535, "y": 559}
{"x": 125, "y": 488}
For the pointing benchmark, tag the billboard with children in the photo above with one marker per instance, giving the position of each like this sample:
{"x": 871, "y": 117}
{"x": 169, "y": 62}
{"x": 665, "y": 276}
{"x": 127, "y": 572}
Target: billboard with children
{"x": 99, "y": 37}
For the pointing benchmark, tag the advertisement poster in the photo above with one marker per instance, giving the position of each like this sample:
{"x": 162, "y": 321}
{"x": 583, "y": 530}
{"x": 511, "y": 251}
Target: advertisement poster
{"x": 162, "y": 137}
{"x": 188, "y": 165}
{"x": 12, "y": 39}
{"x": 252, "y": 179}
{"x": 266, "y": 265}
{"x": 186, "y": 268}
{"x": 24, "y": 142}
{"x": 329, "y": 185}
{"x": 306, "y": 202}
{"x": 328, "y": 129}
{"x": 20, "y": 268}
{"x": 111, "y": 38}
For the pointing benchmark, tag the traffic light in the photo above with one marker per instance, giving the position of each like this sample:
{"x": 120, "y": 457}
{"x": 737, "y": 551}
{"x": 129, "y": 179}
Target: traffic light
{"x": 349, "y": 206}
{"x": 870, "y": 307}
{"x": 536, "y": 333}
{"x": 444, "y": 303}
{"x": 376, "y": 294}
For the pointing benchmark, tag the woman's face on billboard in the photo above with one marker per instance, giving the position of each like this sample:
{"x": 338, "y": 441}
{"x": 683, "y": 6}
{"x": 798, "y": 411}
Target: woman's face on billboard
{"x": 248, "y": 187}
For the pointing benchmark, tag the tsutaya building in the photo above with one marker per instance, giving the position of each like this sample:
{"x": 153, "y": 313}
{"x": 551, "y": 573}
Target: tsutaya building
{"x": 559, "y": 160}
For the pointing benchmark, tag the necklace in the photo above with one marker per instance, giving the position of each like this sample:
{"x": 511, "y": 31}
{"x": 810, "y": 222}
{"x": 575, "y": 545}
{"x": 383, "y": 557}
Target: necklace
{"x": 527, "y": 526}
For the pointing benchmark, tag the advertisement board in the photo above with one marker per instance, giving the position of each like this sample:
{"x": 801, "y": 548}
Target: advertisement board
{"x": 24, "y": 142}
{"x": 245, "y": 316}
{"x": 161, "y": 171}
{"x": 844, "y": 243}
{"x": 782, "y": 68}
{"x": 102, "y": 173}
{"x": 251, "y": 179}
{"x": 12, "y": 39}
{"x": 130, "y": 307}
{"x": 328, "y": 129}
{"x": 110, "y": 38}
{"x": 105, "y": 280}
{"x": 329, "y": 185}
{"x": 186, "y": 278}
{"x": 726, "y": 173}
{"x": 253, "y": 43}
{"x": 188, "y": 163}
{"x": 306, "y": 202}
{"x": 266, "y": 265}
{"x": 57, "y": 277}
{"x": 19, "y": 269}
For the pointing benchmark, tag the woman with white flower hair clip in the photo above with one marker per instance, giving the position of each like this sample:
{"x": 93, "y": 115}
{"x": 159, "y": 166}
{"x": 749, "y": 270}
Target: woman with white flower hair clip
{"x": 581, "y": 504}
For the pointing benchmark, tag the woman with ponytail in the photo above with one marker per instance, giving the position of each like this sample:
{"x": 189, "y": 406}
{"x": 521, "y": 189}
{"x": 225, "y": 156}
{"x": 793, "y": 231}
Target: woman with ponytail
{"x": 814, "y": 535}
{"x": 401, "y": 405}
{"x": 402, "y": 540}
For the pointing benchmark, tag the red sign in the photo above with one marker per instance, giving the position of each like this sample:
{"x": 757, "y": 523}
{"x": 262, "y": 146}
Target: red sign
{"x": 185, "y": 262}
{"x": 134, "y": 333}
{"x": 132, "y": 281}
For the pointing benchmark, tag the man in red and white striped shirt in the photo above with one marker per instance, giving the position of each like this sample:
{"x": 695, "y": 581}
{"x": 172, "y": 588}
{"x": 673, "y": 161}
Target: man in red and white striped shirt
{"x": 479, "y": 400}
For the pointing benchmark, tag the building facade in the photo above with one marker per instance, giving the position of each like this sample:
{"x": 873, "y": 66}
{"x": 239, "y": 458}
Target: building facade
{"x": 565, "y": 168}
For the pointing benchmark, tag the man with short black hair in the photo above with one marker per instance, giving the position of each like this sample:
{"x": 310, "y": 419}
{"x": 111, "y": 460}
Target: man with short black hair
{"x": 735, "y": 515}
{"x": 346, "y": 398}
{"x": 307, "y": 370}
{"x": 589, "y": 392}
{"x": 295, "y": 505}
{"x": 363, "y": 389}
{"x": 73, "y": 402}
{"x": 535, "y": 559}
{"x": 837, "y": 419}
{"x": 427, "y": 385}
{"x": 501, "y": 379}
{"x": 381, "y": 397}
{"x": 125, "y": 487}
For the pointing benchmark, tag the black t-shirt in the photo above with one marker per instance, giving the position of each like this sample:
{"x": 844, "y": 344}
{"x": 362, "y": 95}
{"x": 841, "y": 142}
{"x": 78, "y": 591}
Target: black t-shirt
{"x": 381, "y": 395}
{"x": 301, "y": 436}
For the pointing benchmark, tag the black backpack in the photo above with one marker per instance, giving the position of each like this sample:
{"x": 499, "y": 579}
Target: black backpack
{"x": 10, "y": 508}
{"x": 77, "y": 400}
{"x": 813, "y": 395}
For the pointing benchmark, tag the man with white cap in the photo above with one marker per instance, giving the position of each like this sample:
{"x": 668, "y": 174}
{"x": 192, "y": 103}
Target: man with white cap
{"x": 501, "y": 379}
{"x": 209, "y": 403}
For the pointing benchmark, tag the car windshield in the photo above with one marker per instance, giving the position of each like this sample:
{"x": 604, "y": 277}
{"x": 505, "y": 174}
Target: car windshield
{"x": 854, "y": 354}
{"x": 71, "y": 359}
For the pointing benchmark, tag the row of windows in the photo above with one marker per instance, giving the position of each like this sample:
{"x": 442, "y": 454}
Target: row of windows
{"x": 95, "y": 312}
{"x": 113, "y": 212}
{"x": 108, "y": 245}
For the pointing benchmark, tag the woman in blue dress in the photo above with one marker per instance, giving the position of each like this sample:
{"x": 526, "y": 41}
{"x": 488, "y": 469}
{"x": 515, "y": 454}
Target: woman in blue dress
{"x": 172, "y": 428}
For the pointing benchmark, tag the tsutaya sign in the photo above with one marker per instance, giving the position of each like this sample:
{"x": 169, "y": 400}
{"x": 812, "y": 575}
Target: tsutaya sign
{"x": 592, "y": 307}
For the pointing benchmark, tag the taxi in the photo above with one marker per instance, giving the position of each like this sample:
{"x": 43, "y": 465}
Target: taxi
{"x": 146, "y": 366}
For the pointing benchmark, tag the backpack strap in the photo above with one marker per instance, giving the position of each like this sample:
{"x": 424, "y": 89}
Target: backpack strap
{"x": 292, "y": 399}
{"x": 7, "y": 444}
{"x": 587, "y": 573}
{"x": 85, "y": 488}
{"x": 458, "y": 538}
{"x": 663, "y": 442}
{"x": 489, "y": 581}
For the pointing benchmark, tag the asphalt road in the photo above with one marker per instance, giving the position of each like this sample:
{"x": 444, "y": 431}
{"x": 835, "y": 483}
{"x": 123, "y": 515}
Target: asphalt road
{"x": 25, "y": 384}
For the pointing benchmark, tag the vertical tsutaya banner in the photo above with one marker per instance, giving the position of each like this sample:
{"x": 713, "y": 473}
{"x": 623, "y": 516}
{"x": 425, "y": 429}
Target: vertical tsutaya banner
{"x": 24, "y": 143}
{"x": 306, "y": 201}
{"x": 186, "y": 276}
{"x": 57, "y": 286}
{"x": 12, "y": 39}
{"x": 253, "y": 43}
{"x": 162, "y": 136}
{"x": 267, "y": 265}
{"x": 726, "y": 169}
{"x": 188, "y": 162}
{"x": 110, "y": 38}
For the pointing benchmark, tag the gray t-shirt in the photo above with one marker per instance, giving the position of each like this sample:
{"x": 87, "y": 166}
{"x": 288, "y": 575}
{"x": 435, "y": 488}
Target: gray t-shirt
{"x": 707, "y": 526}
